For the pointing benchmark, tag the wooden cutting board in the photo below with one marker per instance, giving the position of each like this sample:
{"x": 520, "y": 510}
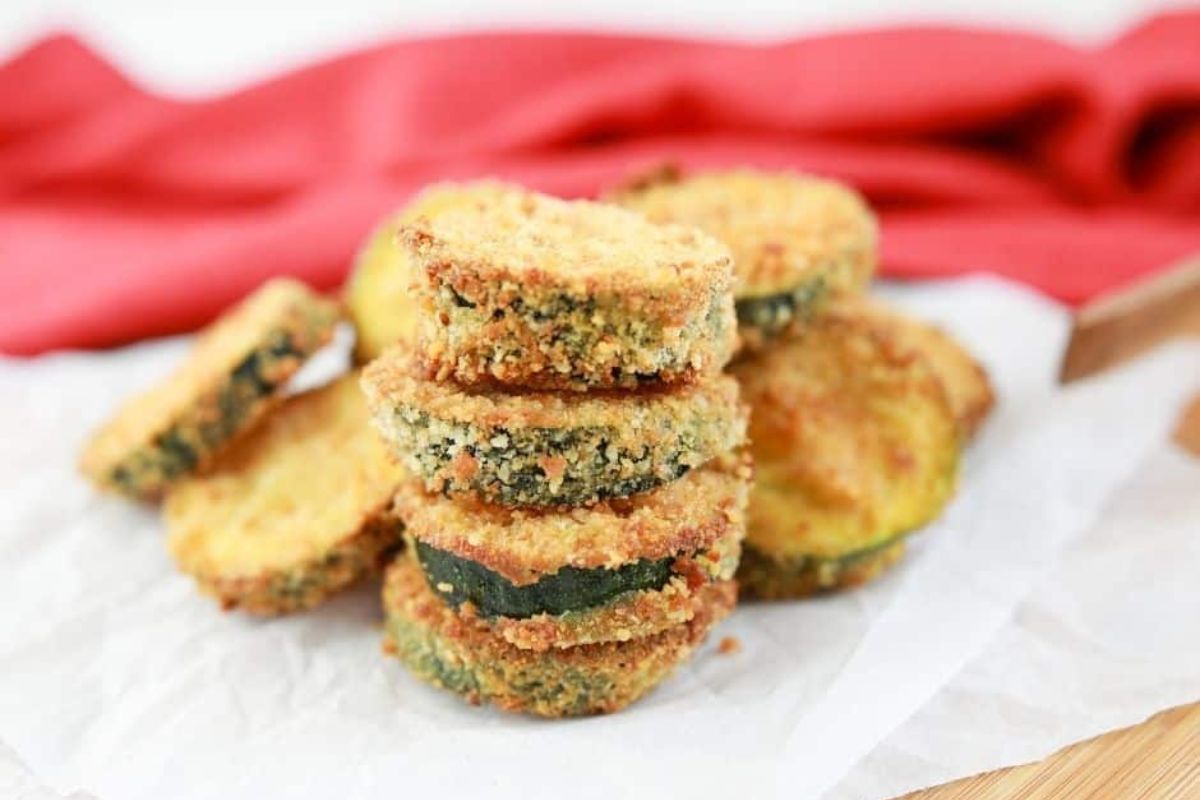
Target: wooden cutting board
{"x": 1127, "y": 323}
{"x": 1156, "y": 760}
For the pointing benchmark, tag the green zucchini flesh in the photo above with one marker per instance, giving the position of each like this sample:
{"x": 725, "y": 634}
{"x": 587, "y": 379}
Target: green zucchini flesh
{"x": 773, "y": 312}
{"x": 459, "y": 580}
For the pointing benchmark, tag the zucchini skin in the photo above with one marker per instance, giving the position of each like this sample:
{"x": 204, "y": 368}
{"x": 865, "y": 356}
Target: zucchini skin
{"x": 459, "y": 580}
{"x": 763, "y": 577}
{"x": 766, "y": 317}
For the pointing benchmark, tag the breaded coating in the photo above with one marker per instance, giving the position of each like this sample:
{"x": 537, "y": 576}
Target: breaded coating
{"x": 464, "y": 656}
{"x": 527, "y": 545}
{"x": 796, "y": 239}
{"x": 965, "y": 379}
{"x": 761, "y": 577}
{"x": 523, "y": 448}
{"x": 533, "y": 291}
{"x": 379, "y": 294}
{"x": 230, "y": 379}
{"x": 294, "y": 511}
{"x": 854, "y": 440}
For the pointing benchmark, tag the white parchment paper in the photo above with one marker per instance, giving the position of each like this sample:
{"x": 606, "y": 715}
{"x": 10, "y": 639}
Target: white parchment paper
{"x": 116, "y": 678}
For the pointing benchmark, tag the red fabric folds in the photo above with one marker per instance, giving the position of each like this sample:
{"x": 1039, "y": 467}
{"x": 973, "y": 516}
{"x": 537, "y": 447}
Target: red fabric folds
{"x": 124, "y": 214}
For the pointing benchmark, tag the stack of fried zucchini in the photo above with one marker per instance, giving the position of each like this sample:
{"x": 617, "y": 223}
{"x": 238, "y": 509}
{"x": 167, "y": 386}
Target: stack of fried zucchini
{"x": 576, "y": 505}
{"x": 858, "y": 414}
{"x": 557, "y": 454}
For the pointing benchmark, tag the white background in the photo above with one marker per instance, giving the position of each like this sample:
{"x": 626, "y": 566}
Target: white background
{"x": 218, "y": 44}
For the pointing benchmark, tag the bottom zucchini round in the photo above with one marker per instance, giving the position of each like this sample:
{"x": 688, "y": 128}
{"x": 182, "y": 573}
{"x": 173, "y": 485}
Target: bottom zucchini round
{"x": 763, "y": 577}
{"x": 466, "y": 657}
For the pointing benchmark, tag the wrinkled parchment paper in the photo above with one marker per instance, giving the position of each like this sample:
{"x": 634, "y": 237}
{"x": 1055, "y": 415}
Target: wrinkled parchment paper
{"x": 1051, "y": 599}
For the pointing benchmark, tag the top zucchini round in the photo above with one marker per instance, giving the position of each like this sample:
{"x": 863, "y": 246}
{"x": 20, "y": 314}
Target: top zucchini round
{"x": 229, "y": 380}
{"x": 532, "y": 291}
{"x": 379, "y": 295}
{"x": 539, "y": 449}
{"x": 796, "y": 240}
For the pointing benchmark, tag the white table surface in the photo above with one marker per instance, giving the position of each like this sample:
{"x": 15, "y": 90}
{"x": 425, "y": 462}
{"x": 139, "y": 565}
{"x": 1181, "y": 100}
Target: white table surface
{"x": 198, "y": 47}
{"x": 1054, "y": 599}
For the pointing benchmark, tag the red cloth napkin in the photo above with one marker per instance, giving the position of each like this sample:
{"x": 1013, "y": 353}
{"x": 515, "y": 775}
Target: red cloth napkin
{"x": 124, "y": 214}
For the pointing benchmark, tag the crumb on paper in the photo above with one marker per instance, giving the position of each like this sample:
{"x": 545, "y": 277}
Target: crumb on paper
{"x": 729, "y": 645}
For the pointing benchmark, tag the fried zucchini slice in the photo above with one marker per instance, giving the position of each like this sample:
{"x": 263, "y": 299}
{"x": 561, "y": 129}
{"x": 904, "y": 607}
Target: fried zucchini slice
{"x": 464, "y": 656}
{"x": 379, "y": 295}
{"x": 855, "y": 442}
{"x": 796, "y": 240}
{"x": 230, "y": 379}
{"x": 966, "y": 381}
{"x": 533, "y": 291}
{"x": 294, "y": 511}
{"x": 613, "y": 572}
{"x": 542, "y": 449}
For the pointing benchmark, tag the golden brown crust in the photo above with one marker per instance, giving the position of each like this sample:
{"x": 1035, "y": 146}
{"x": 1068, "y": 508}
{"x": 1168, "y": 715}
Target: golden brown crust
{"x": 466, "y": 657}
{"x": 379, "y": 295}
{"x": 577, "y": 247}
{"x": 966, "y": 381}
{"x": 229, "y": 380}
{"x": 534, "y": 291}
{"x": 541, "y": 449}
{"x": 853, "y": 435}
{"x": 523, "y": 545}
{"x": 291, "y": 512}
{"x": 782, "y": 228}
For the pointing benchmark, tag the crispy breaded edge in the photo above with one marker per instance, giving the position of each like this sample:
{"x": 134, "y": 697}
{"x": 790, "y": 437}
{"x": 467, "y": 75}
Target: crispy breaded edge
{"x": 568, "y": 343}
{"x": 231, "y": 406}
{"x": 761, "y": 576}
{"x": 515, "y": 248}
{"x": 534, "y": 449}
{"x": 630, "y": 615}
{"x": 308, "y": 584}
{"x": 465, "y": 657}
